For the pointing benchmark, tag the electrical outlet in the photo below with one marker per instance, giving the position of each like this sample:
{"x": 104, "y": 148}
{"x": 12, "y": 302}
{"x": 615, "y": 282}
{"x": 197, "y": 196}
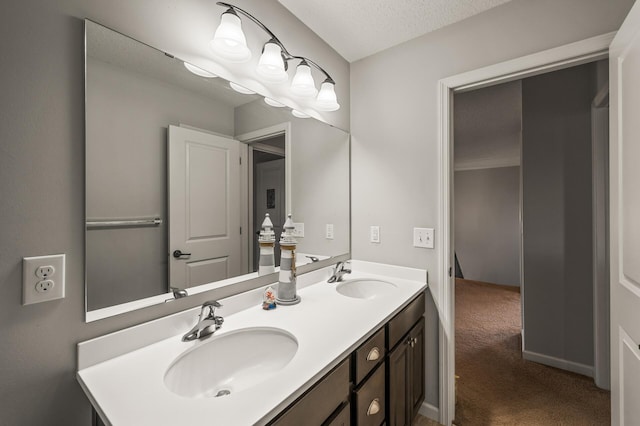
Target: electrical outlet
{"x": 423, "y": 237}
{"x": 329, "y": 231}
{"x": 374, "y": 234}
{"x": 44, "y": 286}
{"x": 44, "y": 272}
{"x": 299, "y": 229}
{"x": 42, "y": 278}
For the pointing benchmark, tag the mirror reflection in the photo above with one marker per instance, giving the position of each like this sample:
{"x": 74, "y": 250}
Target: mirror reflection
{"x": 181, "y": 170}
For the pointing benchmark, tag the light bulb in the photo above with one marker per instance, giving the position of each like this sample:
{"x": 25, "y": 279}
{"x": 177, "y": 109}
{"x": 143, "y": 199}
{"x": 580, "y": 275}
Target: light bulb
{"x": 199, "y": 71}
{"x": 302, "y": 83}
{"x": 273, "y": 103}
{"x": 271, "y": 64}
{"x": 229, "y": 41}
{"x": 326, "y": 100}
{"x": 299, "y": 114}
{"x": 241, "y": 89}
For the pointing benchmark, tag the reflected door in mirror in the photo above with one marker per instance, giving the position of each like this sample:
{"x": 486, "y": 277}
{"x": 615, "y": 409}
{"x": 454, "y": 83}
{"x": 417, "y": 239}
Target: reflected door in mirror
{"x": 204, "y": 208}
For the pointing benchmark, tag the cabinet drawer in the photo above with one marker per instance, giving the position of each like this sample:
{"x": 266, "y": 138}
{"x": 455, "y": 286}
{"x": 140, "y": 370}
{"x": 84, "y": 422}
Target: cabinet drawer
{"x": 370, "y": 400}
{"x": 342, "y": 418}
{"x": 402, "y": 323}
{"x": 314, "y": 407}
{"x": 367, "y": 356}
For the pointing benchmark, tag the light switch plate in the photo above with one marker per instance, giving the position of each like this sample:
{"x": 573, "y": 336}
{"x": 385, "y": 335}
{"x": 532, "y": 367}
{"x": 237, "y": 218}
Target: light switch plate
{"x": 423, "y": 237}
{"x": 42, "y": 278}
{"x": 374, "y": 234}
{"x": 299, "y": 230}
{"x": 329, "y": 231}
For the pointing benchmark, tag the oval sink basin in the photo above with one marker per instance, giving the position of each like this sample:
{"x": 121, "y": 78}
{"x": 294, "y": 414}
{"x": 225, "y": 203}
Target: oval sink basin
{"x": 366, "y": 289}
{"x": 230, "y": 363}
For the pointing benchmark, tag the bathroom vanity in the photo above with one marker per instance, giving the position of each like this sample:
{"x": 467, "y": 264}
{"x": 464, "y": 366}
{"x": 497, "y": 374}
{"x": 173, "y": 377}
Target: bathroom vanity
{"x": 381, "y": 379}
{"x": 350, "y": 353}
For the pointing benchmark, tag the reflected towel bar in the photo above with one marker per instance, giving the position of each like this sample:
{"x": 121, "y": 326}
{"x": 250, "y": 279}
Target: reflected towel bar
{"x": 91, "y": 224}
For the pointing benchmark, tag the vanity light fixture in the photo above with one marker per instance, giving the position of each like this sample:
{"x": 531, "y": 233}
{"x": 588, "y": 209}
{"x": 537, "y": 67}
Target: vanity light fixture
{"x": 302, "y": 83}
{"x": 273, "y": 103}
{"x": 299, "y": 114}
{"x": 230, "y": 43}
{"x": 271, "y": 66}
{"x": 199, "y": 71}
{"x": 241, "y": 89}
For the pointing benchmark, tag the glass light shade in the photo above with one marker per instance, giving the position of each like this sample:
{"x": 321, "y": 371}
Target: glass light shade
{"x": 241, "y": 89}
{"x": 271, "y": 64}
{"x": 302, "y": 83}
{"x": 327, "y": 100}
{"x": 199, "y": 71}
{"x": 299, "y": 114}
{"x": 229, "y": 41}
{"x": 273, "y": 103}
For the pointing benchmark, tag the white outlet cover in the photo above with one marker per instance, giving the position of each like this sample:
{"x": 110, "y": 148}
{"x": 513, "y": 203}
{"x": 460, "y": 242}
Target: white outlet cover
{"x": 299, "y": 230}
{"x": 423, "y": 237}
{"x": 30, "y": 278}
{"x": 374, "y": 234}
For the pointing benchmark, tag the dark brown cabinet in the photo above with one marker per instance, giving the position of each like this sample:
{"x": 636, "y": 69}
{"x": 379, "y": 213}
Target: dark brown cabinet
{"x": 317, "y": 405}
{"x": 380, "y": 382}
{"x": 405, "y": 364}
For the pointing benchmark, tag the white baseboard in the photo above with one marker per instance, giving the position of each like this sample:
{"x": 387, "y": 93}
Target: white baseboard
{"x": 563, "y": 364}
{"x": 429, "y": 411}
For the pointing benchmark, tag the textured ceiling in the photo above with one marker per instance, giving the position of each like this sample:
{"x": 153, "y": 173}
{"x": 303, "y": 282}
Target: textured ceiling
{"x": 488, "y": 127}
{"x": 359, "y": 28}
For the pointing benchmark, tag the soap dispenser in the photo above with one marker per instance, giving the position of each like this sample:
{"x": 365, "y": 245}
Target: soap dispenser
{"x": 287, "y": 281}
{"x": 267, "y": 241}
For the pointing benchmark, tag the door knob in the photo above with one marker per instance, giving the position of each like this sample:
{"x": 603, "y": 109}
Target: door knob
{"x": 179, "y": 254}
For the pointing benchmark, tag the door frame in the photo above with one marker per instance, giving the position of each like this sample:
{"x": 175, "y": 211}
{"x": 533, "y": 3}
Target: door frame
{"x": 247, "y": 198}
{"x": 573, "y": 54}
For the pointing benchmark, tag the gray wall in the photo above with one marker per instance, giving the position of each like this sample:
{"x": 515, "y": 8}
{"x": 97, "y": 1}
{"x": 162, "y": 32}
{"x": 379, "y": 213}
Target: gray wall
{"x": 487, "y": 224}
{"x": 557, "y": 213}
{"x": 394, "y": 114}
{"x": 42, "y": 178}
{"x": 127, "y": 130}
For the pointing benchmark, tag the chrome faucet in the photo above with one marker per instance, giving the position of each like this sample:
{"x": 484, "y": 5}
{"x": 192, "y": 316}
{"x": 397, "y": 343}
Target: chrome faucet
{"x": 208, "y": 323}
{"x": 338, "y": 272}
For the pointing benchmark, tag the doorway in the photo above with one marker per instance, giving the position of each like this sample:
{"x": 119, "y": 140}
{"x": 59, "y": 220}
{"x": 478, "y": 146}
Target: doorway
{"x": 551, "y": 122}
{"x": 268, "y": 188}
{"x": 443, "y": 292}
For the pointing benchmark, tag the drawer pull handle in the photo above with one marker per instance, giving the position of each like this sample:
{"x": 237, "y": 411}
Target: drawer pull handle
{"x": 374, "y": 354}
{"x": 374, "y": 407}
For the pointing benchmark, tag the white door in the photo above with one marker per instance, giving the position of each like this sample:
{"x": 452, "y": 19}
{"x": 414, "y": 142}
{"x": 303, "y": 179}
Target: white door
{"x": 204, "y": 207}
{"x": 625, "y": 220}
{"x": 269, "y": 198}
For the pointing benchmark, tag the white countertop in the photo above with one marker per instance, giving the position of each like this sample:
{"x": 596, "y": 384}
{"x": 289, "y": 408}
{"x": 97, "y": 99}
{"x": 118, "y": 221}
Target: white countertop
{"x": 129, "y": 389}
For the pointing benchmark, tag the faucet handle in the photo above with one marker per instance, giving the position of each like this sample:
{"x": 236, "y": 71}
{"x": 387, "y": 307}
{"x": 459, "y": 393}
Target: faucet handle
{"x": 211, "y": 305}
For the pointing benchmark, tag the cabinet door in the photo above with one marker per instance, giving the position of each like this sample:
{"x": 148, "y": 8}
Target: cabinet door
{"x": 415, "y": 379}
{"x": 342, "y": 418}
{"x": 397, "y": 398}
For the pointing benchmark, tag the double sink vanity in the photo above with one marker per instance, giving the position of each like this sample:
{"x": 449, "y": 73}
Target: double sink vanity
{"x": 352, "y": 352}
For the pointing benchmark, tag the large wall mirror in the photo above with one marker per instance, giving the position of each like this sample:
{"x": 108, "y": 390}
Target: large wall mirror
{"x": 180, "y": 171}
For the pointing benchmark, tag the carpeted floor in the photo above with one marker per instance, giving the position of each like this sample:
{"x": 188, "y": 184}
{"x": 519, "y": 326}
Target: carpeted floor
{"x": 495, "y": 386}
